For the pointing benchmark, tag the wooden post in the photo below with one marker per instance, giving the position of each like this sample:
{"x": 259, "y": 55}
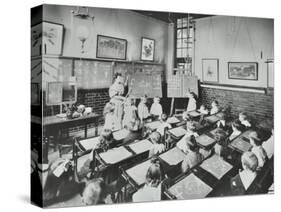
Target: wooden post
{"x": 172, "y": 106}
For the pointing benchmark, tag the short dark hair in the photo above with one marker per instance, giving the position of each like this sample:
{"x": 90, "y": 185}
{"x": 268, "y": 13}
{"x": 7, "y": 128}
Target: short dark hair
{"x": 220, "y": 136}
{"x": 256, "y": 137}
{"x": 216, "y": 102}
{"x": 192, "y": 144}
{"x": 164, "y": 117}
{"x": 237, "y": 124}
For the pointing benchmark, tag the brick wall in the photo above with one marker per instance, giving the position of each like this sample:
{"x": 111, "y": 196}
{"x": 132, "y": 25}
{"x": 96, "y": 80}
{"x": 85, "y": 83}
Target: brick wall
{"x": 258, "y": 106}
{"x": 96, "y": 99}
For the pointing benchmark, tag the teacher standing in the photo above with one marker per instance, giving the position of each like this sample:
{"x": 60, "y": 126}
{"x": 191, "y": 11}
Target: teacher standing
{"x": 116, "y": 94}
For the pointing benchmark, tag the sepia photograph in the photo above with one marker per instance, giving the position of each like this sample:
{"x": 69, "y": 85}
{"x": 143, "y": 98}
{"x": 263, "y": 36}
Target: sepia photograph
{"x": 132, "y": 106}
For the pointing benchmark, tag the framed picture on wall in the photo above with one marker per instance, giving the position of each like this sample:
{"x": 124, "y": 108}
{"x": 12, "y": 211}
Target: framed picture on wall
{"x": 147, "y": 49}
{"x": 210, "y": 70}
{"x": 111, "y": 48}
{"x": 243, "y": 70}
{"x": 47, "y": 39}
{"x": 36, "y": 40}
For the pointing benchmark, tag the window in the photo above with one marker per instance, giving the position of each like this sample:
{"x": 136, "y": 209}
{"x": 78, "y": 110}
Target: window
{"x": 184, "y": 45}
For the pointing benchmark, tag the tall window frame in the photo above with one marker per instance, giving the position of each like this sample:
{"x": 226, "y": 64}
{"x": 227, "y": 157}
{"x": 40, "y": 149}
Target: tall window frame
{"x": 184, "y": 32}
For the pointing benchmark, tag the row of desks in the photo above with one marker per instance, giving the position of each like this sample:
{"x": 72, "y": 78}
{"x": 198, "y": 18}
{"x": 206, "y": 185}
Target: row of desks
{"x": 215, "y": 167}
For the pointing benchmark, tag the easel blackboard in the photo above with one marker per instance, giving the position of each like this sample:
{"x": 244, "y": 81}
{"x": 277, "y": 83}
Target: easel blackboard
{"x": 179, "y": 85}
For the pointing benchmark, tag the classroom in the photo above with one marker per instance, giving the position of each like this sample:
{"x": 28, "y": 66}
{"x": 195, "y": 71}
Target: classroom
{"x": 137, "y": 106}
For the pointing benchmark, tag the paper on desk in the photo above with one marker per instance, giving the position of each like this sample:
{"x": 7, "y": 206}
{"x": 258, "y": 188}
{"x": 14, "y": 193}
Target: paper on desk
{"x": 173, "y": 120}
{"x": 241, "y": 145}
{"x": 90, "y": 143}
{"x": 138, "y": 172}
{"x": 212, "y": 118}
{"x": 173, "y": 156}
{"x": 190, "y": 187}
{"x": 216, "y": 166}
{"x": 141, "y": 146}
{"x": 205, "y": 140}
{"x": 194, "y": 113}
{"x": 178, "y": 132}
{"x": 115, "y": 155}
{"x": 153, "y": 125}
{"x": 120, "y": 134}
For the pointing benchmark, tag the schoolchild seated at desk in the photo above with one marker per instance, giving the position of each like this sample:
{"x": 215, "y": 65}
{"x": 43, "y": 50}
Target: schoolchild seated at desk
{"x": 152, "y": 190}
{"x": 192, "y": 103}
{"x": 190, "y": 127}
{"x": 237, "y": 129}
{"x": 134, "y": 127}
{"x": 214, "y": 107}
{"x": 94, "y": 192}
{"x": 106, "y": 142}
{"x": 244, "y": 119}
{"x": 268, "y": 145}
{"x": 220, "y": 147}
{"x": 243, "y": 180}
{"x": 222, "y": 122}
{"x": 158, "y": 147}
{"x": 156, "y": 108}
{"x": 257, "y": 148}
{"x": 203, "y": 110}
{"x": 164, "y": 124}
{"x": 193, "y": 156}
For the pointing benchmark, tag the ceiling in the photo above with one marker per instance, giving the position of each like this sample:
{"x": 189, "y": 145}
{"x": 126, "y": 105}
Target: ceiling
{"x": 169, "y": 17}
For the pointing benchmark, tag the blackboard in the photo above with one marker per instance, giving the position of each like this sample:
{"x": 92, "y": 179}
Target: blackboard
{"x": 178, "y": 85}
{"x": 93, "y": 74}
{"x": 145, "y": 84}
{"x": 125, "y": 69}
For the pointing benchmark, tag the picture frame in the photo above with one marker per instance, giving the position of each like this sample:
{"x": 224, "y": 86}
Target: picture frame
{"x": 36, "y": 40}
{"x": 47, "y": 39}
{"x": 210, "y": 70}
{"x": 147, "y": 49}
{"x": 111, "y": 47}
{"x": 243, "y": 70}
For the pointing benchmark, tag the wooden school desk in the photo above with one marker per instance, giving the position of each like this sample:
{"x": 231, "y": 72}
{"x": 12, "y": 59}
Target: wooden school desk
{"x": 177, "y": 133}
{"x": 127, "y": 155}
{"x": 152, "y": 125}
{"x": 216, "y": 166}
{"x": 241, "y": 143}
{"x": 212, "y": 119}
{"x": 205, "y": 141}
{"x": 135, "y": 175}
{"x": 172, "y": 160}
{"x": 53, "y": 125}
{"x": 88, "y": 144}
{"x": 188, "y": 187}
{"x": 119, "y": 135}
{"x": 140, "y": 147}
